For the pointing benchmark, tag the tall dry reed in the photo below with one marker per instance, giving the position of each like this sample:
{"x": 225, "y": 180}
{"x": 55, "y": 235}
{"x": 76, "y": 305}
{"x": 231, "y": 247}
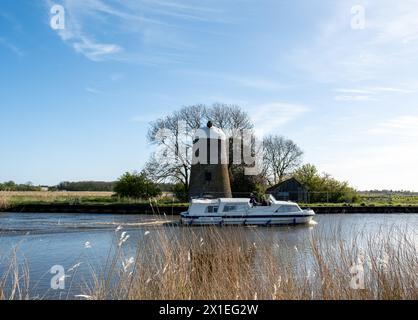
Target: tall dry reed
{"x": 14, "y": 282}
{"x": 223, "y": 263}
{"x": 233, "y": 263}
{"x": 4, "y": 201}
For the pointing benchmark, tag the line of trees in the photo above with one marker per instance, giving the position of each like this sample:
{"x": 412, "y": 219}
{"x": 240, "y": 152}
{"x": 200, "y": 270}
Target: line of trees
{"x": 12, "y": 186}
{"x": 86, "y": 186}
{"x": 99, "y": 186}
{"x": 280, "y": 157}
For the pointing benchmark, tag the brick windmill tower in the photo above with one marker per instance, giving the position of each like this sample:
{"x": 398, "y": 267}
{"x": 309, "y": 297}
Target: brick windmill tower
{"x": 209, "y": 175}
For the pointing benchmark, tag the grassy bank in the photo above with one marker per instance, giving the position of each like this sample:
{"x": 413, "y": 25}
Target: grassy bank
{"x": 39, "y": 197}
{"x": 224, "y": 263}
{"x": 9, "y": 199}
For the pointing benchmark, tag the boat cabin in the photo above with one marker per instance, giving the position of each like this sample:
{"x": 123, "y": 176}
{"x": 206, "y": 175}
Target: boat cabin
{"x": 239, "y": 205}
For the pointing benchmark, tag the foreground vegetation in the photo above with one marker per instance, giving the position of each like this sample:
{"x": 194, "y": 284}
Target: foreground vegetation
{"x": 227, "y": 263}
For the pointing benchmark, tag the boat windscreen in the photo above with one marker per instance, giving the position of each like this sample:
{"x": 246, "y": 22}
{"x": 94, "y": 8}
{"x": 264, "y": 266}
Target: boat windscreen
{"x": 288, "y": 208}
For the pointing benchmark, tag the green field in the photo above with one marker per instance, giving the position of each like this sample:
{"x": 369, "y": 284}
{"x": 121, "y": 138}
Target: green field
{"x": 10, "y": 199}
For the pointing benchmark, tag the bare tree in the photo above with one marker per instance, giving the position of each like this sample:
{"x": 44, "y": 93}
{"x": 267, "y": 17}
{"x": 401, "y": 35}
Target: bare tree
{"x": 280, "y": 157}
{"x": 173, "y": 137}
{"x": 230, "y": 118}
{"x": 173, "y": 161}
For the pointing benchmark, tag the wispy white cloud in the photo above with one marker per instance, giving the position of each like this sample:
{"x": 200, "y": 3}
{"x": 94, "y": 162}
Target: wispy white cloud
{"x": 116, "y": 76}
{"x": 269, "y": 118}
{"x": 384, "y": 52}
{"x": 10, "y": 46}
{"x": 354, "y": 98}
{"x": 370, "y": 153}
{"x": 184, "y": 10}
{"x": 371, "y": 93}
{"x": 374, "y": 154}
{"x": 405, "y": 126}
{"x": 93, "y": 50}
{"x": 254, "y": 82}
{"x": 128, "y": 30}
{"x": 248, "y": 81}
{"x": 75, "y": 35}
{"x": 93, "y": 90}
{"x": 12, "y": 20}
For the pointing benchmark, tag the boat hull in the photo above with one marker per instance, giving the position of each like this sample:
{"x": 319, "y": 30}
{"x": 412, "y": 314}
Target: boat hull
{"x": 248, "y": 220}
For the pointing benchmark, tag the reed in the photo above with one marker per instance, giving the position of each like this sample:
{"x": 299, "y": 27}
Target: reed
{"x": 4, "y": 201}
{"x": 223, "y": 263}
{"x": 229, "y": 263}
{"x": 14, "y": 282}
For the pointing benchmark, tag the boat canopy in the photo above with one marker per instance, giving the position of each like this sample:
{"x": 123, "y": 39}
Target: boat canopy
{"x": 205, "y": 201}
{"x": 220, "y": 200}
{"x": 234, "y": 200}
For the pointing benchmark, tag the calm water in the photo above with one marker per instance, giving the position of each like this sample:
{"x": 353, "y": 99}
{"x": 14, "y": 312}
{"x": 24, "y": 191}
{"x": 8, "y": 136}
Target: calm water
{"x": 45, "y": 240}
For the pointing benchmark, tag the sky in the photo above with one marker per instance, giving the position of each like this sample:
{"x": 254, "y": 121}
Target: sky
{"x": 337, "y": 77}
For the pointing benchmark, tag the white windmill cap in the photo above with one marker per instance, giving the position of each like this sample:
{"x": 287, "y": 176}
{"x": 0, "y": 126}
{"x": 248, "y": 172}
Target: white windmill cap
{"x": 209, "y": 132}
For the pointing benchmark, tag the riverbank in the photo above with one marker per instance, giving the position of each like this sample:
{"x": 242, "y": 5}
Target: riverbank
{"x": 107, "y": 202}
{"x": 177, "y": 209}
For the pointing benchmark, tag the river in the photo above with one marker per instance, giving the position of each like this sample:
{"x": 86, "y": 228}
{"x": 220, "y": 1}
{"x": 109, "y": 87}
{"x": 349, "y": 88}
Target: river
{"x": 47, "y": 240}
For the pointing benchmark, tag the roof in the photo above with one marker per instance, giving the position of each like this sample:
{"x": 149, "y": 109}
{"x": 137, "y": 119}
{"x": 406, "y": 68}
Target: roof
{"x": 220, "y": 200}
{"x": 234, "y": 200}
{"x": 283, "y": 182}
{"x": 209, "y": 133}
{"x": 205, "y": 201}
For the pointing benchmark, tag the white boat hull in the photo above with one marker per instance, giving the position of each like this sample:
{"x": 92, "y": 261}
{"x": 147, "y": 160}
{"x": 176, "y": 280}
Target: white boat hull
{"x": 287, "y": 219}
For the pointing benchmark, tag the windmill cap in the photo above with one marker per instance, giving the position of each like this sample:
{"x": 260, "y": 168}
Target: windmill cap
{"x": 209, "y": 132}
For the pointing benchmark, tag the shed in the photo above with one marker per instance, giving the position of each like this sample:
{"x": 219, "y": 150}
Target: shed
{"x": 290, "y": 189}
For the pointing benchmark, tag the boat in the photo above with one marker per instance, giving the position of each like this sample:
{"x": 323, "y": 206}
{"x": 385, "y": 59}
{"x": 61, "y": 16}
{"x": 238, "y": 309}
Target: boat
{"x": 241, "y": 211}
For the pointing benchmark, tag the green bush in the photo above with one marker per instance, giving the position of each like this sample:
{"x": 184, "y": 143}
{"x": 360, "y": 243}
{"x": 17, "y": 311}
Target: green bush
{"x": 136, "y": 185}
{"x": 323, "y": 187}
{"x": 181, "y": 192}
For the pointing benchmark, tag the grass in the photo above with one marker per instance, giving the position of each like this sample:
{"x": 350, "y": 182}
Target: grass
{"x": 227, "y": 263}
{"x": 8, "y": 199}
{"x": 372, "y": 201}
{"x": 39, "y": 197}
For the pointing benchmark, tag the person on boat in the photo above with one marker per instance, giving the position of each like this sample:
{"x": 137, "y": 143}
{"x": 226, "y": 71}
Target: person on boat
{"x": 253, "y": 200}
{"x": 264, "y": 201}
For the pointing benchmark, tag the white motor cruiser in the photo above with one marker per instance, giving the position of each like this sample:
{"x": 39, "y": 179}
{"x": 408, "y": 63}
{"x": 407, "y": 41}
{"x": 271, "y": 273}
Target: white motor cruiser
{"x": 236, "y": 211}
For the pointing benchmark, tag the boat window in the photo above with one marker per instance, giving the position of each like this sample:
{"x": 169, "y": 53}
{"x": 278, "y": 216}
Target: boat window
{"x": 211, "y": 209}
{"x": 234, "y": 208}
{"x": 288, "y": 208}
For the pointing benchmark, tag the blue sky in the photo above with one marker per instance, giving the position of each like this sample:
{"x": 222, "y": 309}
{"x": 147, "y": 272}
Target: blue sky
{"x": 75, "y": 103}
